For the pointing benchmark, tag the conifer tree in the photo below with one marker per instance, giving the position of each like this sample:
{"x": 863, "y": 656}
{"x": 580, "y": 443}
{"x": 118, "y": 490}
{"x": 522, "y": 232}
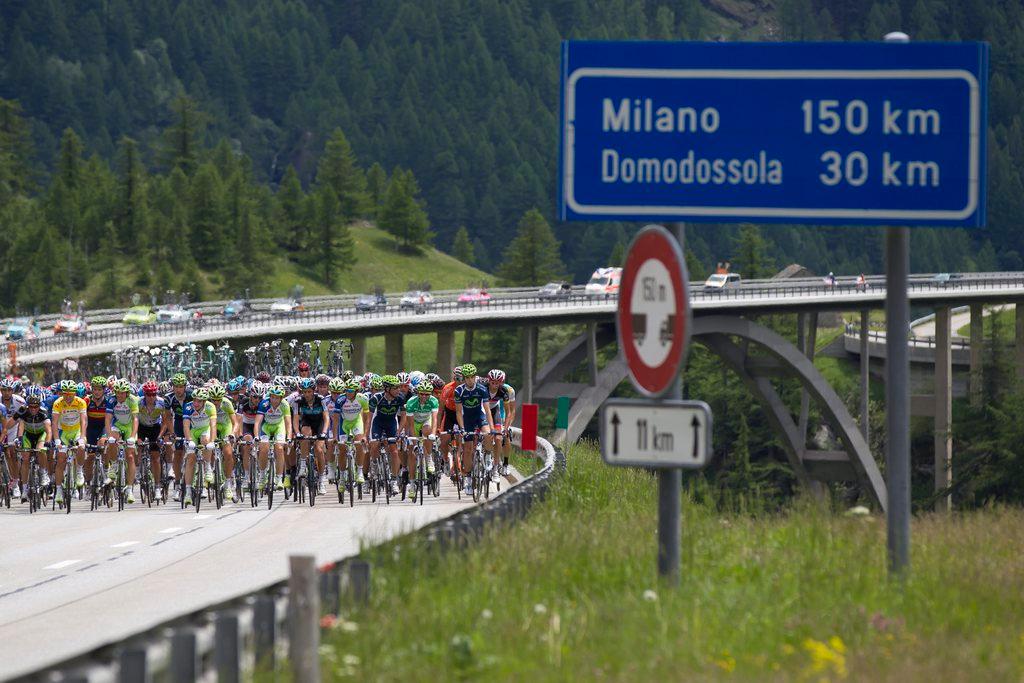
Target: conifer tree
{"x": 532, "y": 257}
{"x": 182, "y": 138}
{"x": 462, "y": 248}
{"x": 403, "y": 214}
{"x": 339, "y": 170}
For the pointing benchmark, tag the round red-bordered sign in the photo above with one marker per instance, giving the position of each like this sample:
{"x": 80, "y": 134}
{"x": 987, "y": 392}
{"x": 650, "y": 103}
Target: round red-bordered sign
{"x": 648, "y": 317}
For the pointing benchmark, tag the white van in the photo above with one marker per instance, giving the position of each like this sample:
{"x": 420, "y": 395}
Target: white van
{"x": 604, "y": 282}
{"x": 720, "y": 281}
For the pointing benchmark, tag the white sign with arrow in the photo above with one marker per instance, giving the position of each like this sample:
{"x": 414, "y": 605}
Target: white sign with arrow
{"x": 647, "y": 433}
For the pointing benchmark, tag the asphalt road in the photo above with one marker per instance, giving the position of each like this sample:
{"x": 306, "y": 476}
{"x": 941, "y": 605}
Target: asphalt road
{"x": 71, "y": 583}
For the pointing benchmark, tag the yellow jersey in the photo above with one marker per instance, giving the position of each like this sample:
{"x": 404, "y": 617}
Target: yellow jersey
{"x": 68, "y": 414}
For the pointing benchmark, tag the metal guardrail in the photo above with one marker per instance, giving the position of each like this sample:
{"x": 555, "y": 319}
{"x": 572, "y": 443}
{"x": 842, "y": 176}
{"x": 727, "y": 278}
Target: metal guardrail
{"x": 245, "y": 634}
{"x": 878, "y": 336}
{"x": 510, "y": 298}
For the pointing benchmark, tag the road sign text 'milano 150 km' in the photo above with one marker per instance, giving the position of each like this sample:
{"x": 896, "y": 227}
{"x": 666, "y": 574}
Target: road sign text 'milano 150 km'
{"x": 787, "y": 132}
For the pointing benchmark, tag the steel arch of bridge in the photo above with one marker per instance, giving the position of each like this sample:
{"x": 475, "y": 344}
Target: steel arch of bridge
{"x": 732, "y": 339}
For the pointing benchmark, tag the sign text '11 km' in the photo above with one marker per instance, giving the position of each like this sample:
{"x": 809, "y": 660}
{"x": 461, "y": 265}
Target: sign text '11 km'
{"x": 787, "y": 132}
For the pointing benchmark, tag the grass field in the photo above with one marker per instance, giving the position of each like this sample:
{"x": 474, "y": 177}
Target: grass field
{"x": 377, "y": 262}
{"x": 571, "y": 594}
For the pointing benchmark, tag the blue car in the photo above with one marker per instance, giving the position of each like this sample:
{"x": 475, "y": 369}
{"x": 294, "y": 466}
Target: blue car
{"x": 236, "y": 308}
{"x": 22, "y": 328}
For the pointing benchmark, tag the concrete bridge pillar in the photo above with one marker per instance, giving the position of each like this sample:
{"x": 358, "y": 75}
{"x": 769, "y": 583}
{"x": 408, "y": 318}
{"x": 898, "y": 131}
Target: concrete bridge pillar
{"x": 1019, "y": 339}
{"x": 865, "y": 375}
{"x": 529, "y": 356}
{"x": 357, "y": 364}
{"x": 467, "y": 346}
{"x": 592, "y": 353}
{"x": 445, "y": 352}
{"x": 807, "y": 344}
{"x": 944, "y": 406}
{"x": 977, "y": 344}
{"x": 394, "y": 353}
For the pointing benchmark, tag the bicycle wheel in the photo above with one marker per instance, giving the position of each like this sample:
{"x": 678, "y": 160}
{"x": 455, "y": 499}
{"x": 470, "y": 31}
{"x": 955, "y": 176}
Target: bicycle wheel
{"x": 218, "y": 483}
{"x": 199, "y": 489}
{"x": 69, "y": 485}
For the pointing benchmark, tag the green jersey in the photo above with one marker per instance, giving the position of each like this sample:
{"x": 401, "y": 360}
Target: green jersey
{"x": 420, "y": 411}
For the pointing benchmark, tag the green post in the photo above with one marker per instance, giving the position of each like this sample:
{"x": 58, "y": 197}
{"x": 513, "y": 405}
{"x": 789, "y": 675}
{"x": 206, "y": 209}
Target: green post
{"x": 562, "y": 417}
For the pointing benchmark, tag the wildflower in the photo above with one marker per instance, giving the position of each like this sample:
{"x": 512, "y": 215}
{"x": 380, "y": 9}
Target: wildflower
{"x": 348, "y": 626}
{"x": 650, "y": 595}
{"x": 486, "y": 614}
{"x": 539, "y": 608}
{"x": 329, "y": 621}
{"x": 858, "y": 511}
{"x": 350, "y": 660}
{"x": 726, "y": 662}
{"x": 826, "y": 657}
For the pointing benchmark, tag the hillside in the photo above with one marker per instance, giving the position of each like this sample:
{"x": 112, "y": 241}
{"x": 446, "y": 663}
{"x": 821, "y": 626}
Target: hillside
{"x": 378, "y": 262}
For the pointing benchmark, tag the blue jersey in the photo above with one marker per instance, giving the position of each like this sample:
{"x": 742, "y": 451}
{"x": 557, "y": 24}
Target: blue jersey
{"x": 504, "y": 394}
{"x": 384, "y": 408}
{"x": 472, "y": 400}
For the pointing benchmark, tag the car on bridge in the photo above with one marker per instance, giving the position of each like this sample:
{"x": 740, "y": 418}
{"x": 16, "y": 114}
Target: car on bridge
{"x": 70, "y": 322}
{"x": 554, "y": 291}
{"x": 417, "y": 299}
{"x": 286, "y": 307}
{"x": 474, "y": 297}
{"x": 945, "y": 279}
{"x": 236, "y": 308}
{"x": 720, "y": 281}
{"x": 139, "y": 315}
{"x": 371, "y": 302}
{"x": 174, "y": 313}
{"x": 604, "y": 282}
{"x": 22, "y": 328}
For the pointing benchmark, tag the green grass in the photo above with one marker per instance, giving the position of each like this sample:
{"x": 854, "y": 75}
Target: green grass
{"x": 377, "y": 263}
{"x": 420, "y": 353}
{"x": 1006, "y": 320}
{"x": 571, "y": 594}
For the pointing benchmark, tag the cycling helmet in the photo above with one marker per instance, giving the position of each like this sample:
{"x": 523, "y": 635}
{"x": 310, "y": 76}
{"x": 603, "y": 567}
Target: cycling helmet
{"x": 353, "y": 385}
{"x": 468, "y": 370}
{"x": 303, "y": 365}
{"x": 336, "y": 385}
{"x": 80, "y": 390}
{"x": 389, "y": 381}
{"x": 67, "y": 386}
{"x": 457, "y": 373}
{"x": 99, "y": 381}
{"x": 377, "y": 383}
{"x": 431, "y": 376}
{"x": 201, "y": 394}
{"x": 179, "y": 380}
{"x": 34, "y": 399}
{"x": 110, "y": 381}
{"x": 347, "y": 375}
{"x": 165, "y": 387}
{"x": 402, "y": 378}
{"x": 216, "y": 392}
{"x": 122, "y": 385}
{"x": 322, "y": 378}
{"x": 213, "y": 382}
{"x": 263, "y": 376}
{"x": 150, "y": 388}
{"x": 416, "y": 376}
{"x": 424, "y": 388}
{"x": 276, "y": 390}
{"x": 254, "y": 390}
{"x": 367, "y": 377}
{"x": 240, "y": 380}
{"x": 307, "y": 384}
{"x": 232, "y": 386}
{"x": 437, "y": 383}
{"x": 496, "y": 375}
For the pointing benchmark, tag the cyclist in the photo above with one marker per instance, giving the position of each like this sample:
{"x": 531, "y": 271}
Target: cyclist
{"x": 123, "y": 421}
{"x": 273, "y": 425}
{"x": 473, "y": 412}
{"x": 33, "y": 428}
{"x": 448, "y": 418}
{"x": 198, "y": 419}
{"x": 421, "y": 421}
{"x": 248, "y": 410}
{"x": 350, "y": 415}
{"x": 310, "y": 418}
{"x": 387, "y": 408}
{"x": 227, "y": 432}
{"x": 151, "y": 416}
{"x": 503, "y": 412}
{"x": 68, "y": 424}
{"x": 176, "y": 401}
{"x": 11, "y": 402}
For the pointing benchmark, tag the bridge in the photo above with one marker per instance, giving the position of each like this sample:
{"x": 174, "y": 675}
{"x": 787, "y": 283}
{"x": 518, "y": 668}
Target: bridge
{"x": 723, "y": 322}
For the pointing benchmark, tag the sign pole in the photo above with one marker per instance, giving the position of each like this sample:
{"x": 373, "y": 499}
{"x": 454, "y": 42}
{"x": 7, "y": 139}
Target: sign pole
{"x": 897, "y": 388}
{"x": 670, "y": 479}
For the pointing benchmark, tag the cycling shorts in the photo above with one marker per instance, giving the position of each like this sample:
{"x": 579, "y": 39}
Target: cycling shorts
{"x": 474, "y": 422}
{"x": 352, "y": 427}
{"x": 94, "y": 434}
{"x": 150, "y": 433}
{"x": 273, "y": 433}
{"x": 417, "y": 427}
{"x": 179, "y": 427}
{"x": 249, "y": 428}
{"x": 30, "y": 440}
{"x": 122, "y": 429}
{"x": 69, "y": 438}
{"x": 223, "y": 430}
{"x": 383, "y": 429}
{"x": 199, "y": 433}
{"x": 449, "y": 420}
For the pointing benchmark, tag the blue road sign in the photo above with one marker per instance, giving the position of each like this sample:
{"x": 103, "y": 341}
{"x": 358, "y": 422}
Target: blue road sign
{"x": 854, "y": 133}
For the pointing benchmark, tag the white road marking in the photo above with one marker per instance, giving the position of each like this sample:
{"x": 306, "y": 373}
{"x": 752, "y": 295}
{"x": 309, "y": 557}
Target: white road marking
{"x": 125, "y": 544}
{"x": 61, "y": 565}
{"x": 201, "y": 517}
{"x": 170, "y": 530}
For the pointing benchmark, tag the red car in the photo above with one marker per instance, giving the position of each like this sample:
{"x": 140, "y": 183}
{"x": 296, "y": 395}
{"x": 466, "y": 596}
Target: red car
{"x": 70, "y": 323}
{"x": 474, "y": 297}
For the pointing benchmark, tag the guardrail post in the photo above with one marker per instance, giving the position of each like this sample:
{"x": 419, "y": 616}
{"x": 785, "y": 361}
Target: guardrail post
{"x": 133, "y": 665}
{"x": 977, "y": 347}
{"x": 264, "y": 627}
{"x": 357, "y": 582}
{"x": 226, "y": 653}
{"x": 303, "y": 619}
{"x": 467, "y": 346}
{"x": 184, "y": 666}
{"x": 330, "y": 591}
{"x": 865, "y": 378}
